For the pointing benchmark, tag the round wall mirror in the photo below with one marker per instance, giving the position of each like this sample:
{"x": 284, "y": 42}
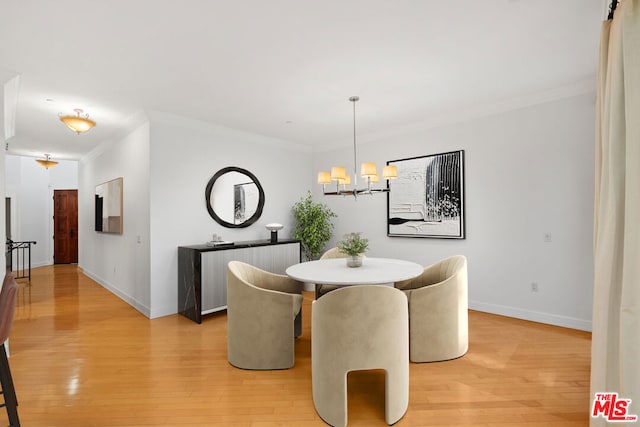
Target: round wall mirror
{"x": 234, "y": 197}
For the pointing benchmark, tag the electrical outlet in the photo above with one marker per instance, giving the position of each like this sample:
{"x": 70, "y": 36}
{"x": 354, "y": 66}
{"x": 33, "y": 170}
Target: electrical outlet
{"x": 534, "y": 286}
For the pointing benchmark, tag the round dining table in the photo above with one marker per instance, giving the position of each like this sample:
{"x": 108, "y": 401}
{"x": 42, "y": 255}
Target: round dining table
{"x": 374, "y": 271}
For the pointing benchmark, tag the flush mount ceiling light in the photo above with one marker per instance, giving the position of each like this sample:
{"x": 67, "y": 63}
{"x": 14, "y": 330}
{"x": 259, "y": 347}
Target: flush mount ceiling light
{"x": 79, "y": 123}
{"x": 368, "y": 171}
{"x": 46, "y": 163}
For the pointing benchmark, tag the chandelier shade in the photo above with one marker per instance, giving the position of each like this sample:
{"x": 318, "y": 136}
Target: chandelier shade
{"x": 78, "y": 123}
{"x": 46, "y": 163}
{"x": 324, "y": 177}
{"x": 338, "y": 173}
{"x": 390, "y": 172}
{"x": 368, "y": 170}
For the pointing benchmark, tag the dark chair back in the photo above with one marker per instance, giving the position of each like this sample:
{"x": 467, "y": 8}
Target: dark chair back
{"x": 8, "y": 298}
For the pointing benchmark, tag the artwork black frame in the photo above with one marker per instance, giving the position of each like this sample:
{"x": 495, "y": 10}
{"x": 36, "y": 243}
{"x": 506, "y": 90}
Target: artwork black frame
{"x": 427, "y": 198}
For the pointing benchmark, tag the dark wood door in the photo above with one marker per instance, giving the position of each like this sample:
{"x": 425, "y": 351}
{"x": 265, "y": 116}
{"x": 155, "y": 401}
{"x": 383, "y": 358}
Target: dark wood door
{"x": 65, "y": 226}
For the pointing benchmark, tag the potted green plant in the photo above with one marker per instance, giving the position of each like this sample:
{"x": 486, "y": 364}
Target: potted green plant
{"x": 313, "y": 226}
{"x": 354, "y": 245}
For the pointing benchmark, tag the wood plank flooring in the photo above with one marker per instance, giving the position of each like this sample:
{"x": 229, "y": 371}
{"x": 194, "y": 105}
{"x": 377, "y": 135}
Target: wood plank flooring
{"x": 82, "y": 357}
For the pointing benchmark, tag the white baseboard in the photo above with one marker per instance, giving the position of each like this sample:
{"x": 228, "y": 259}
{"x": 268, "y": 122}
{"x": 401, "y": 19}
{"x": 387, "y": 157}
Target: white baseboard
{"x": 163, "y": 311}
{"x": 518, "y": 313}
{"x": 534, "y": 316}
{"x": 123, "y": 296}
{"x": 41, "y": 264}
{"x": 36, "y": 264}
{"x": 33, "y": 265}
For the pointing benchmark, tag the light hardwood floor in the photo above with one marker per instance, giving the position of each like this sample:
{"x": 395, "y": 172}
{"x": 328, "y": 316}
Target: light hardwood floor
{"x": 82, "y": 357}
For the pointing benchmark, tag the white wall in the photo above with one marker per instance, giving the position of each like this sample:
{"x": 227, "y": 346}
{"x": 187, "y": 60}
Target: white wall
{"x": 185, "y": 154}
{"x": 166, "y": 164}
{"x": 3, "y": 264}
{"x": 120, "y": 262}
{"x": 30, "y": 187}
{"x": 528, "y": 172}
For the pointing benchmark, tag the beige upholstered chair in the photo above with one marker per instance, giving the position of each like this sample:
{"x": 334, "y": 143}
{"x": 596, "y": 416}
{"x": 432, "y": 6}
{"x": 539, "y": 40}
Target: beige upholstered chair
{"x": 331, "y": 253}
{"x": 359, "y": 328}
{"x": 261, "y": 308}
{"x": 438, "y": 311}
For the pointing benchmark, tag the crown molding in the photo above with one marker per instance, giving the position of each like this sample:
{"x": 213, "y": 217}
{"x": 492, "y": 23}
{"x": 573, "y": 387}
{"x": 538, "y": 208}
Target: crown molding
{"x": 470, "y": 113}
{"x": 209, "y": 127}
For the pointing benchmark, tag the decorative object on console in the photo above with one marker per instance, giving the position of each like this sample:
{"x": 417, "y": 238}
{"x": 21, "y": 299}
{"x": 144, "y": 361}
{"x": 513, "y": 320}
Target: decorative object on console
{"x": 368, "y": 170}
{"x": 108, "y": 207}
{"x": 274, "y": 227}
{"x": 78, "y": 123}
{"x": 217, "y": 241}
{"x": 353, "y": 245}
{"x": 46, "y": 163}
{"x": 313, "y": 226}
{"x": 428, "y": 198}
{"x": 234, "y": 197}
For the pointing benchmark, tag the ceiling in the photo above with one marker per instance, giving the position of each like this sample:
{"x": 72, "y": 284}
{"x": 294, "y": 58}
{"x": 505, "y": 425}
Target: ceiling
{"x": 283, "y": 68}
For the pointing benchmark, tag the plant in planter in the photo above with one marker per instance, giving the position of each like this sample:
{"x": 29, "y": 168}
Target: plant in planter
{"x": 354, "y": 245}
{"x": 313, "y": 226}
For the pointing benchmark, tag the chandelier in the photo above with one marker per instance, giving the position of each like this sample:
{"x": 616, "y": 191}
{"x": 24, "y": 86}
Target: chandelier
{"x": 78, "y": 123}
{"x": 46, "y": 163}
{"x": 368, "y": 171}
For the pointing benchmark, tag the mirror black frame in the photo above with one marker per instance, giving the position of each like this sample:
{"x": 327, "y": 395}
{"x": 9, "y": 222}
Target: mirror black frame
{"x": 209, "y": 189}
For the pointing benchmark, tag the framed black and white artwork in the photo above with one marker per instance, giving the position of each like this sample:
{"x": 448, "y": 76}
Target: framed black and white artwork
{"x": 427, "y": 198}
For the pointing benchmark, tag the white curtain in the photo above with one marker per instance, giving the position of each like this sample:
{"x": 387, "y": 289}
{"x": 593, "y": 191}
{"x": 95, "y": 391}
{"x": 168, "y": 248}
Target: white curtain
{"x": 615, "y": 355}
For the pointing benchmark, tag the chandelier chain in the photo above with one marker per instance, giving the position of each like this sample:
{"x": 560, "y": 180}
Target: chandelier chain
{"x": 354, "y": 99}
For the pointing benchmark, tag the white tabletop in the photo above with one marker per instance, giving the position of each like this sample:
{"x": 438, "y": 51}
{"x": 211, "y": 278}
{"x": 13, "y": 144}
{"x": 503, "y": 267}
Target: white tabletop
{"x": 374, "y": 271}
